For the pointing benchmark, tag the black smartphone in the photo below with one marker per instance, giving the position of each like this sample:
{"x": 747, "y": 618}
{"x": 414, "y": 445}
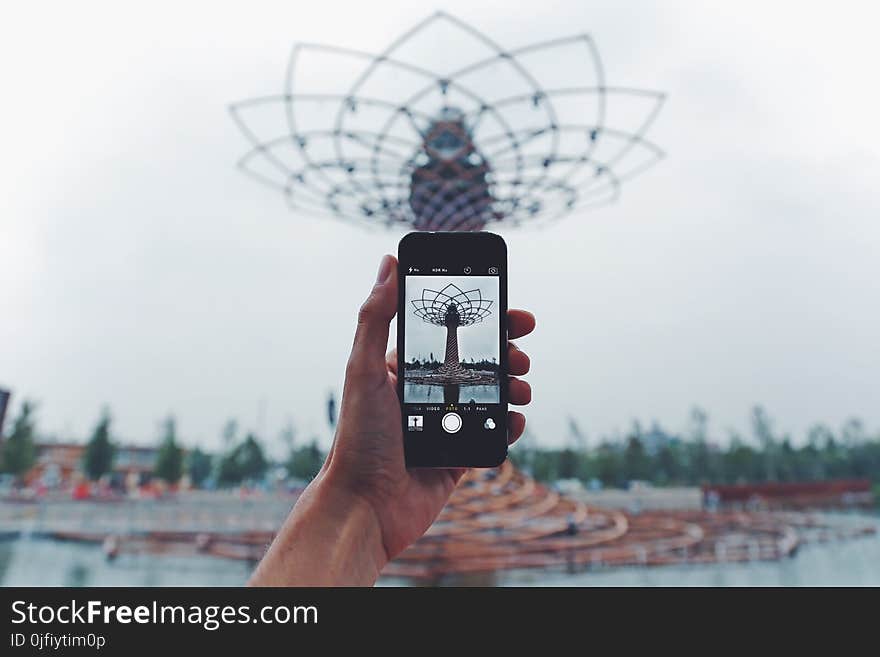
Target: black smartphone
{"x": 452, "y": 349}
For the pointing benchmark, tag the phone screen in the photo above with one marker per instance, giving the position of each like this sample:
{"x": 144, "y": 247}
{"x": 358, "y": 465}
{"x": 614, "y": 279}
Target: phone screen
{"x": 451, "y": 367}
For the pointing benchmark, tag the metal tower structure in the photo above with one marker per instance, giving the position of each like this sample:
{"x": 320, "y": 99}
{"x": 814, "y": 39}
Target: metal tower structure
{"x": 489, "y": 134}
{"x": 452, "y": 307}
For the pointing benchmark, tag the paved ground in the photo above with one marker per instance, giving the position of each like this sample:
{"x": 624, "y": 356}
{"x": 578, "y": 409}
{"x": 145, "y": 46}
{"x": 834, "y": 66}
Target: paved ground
{"x": 645, "y": 499}
{"x": 202, "y": 511}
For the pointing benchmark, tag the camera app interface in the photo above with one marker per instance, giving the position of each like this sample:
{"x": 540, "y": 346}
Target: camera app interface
{"x": 451, "y": 377}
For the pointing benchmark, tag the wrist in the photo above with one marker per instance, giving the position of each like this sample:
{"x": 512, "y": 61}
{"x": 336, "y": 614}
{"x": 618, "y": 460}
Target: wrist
{"x": 331, "y": 538}
{"x": 360, "y": 548}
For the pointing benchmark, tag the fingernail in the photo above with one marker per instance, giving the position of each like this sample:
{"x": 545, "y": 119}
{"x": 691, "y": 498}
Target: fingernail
{"x": 384, "y": 269}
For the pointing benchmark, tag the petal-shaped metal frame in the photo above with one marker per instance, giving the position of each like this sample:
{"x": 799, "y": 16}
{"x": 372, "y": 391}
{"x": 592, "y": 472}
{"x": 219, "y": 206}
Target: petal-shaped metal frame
{"x": 470, "y": 305}
{"x": 373, "y": 187}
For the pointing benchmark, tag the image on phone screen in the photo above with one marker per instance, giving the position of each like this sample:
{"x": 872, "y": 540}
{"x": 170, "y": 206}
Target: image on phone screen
{"x": 452, "y": 327}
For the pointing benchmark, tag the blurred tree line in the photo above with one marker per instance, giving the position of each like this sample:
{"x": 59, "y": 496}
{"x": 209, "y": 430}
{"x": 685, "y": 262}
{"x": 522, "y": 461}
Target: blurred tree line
{"x": 653, "y": 455}
{"x": 242, "y": 459}
{"x": 18, "y": 450}
{"x": 431, "y": 364}
{"x": 665, "y": 459}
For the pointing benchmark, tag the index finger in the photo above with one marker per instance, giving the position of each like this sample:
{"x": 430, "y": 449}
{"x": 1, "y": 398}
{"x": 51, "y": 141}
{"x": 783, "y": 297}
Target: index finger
{"x": 519, "y": 323}
{"x": 391, "y": 360}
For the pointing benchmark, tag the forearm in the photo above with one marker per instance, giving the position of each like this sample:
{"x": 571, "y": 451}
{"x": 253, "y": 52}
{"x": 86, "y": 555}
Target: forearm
{"x": 329, "y": 539}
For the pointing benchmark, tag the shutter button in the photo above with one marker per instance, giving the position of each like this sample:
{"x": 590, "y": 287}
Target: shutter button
{"x": 451, "y": 422}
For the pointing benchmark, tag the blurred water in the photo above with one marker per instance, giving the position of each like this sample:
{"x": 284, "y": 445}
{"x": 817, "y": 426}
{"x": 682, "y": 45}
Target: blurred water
{"x": 40, "y": 562}
{"x": 416, "y": 393}
{"x": 844, "y": 563}
{"x": 37, "y": 562}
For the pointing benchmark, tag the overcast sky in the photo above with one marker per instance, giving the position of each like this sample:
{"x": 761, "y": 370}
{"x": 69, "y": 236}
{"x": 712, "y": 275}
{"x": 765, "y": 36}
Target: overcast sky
{"x": 140, "y": 270}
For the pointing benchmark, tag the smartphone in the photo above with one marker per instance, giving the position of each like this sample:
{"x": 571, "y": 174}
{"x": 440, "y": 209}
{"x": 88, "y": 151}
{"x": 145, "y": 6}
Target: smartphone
{"x": 452, "y": 349}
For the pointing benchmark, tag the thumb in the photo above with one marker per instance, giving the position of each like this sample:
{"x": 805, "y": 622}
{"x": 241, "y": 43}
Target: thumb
{"x": 371, "y": 338}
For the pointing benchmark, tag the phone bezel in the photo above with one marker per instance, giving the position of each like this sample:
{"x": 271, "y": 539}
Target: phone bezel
{"x": 453, "y": 250}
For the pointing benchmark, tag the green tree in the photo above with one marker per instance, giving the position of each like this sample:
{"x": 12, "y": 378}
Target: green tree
{"x": 100, "y": 450}
{"x": 667, "y": 470}
{"x": 252, "y": 459}
{"x": 19, "y": 452}
{"x": 703, "y": 460}
{"x": 198, "y": 466}
{"x": 169, "y": 459}
{"x": 545, "y": 465}
{"x": 609, "y": 465}
{"x": 762, "y": 426}
{"x": 244, "y": 461}
{"x": 568, "y": 464}
{"x": 305, "y": 461}
{"x": 741, "y": 462}
{"x": 636, "y": 463}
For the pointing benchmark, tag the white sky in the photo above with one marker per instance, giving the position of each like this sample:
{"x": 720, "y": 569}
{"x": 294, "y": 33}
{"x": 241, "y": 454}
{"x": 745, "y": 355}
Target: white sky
{"x": 139, "y": 269}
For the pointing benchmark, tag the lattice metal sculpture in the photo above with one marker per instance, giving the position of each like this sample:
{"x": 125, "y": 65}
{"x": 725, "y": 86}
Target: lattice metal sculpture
{"x": 452, "y": 307}
{"x": 481, "y": 140}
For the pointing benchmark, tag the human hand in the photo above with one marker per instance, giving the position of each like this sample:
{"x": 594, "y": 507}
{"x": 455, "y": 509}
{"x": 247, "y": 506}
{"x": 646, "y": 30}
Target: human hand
{"x": 364, "y": 500}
